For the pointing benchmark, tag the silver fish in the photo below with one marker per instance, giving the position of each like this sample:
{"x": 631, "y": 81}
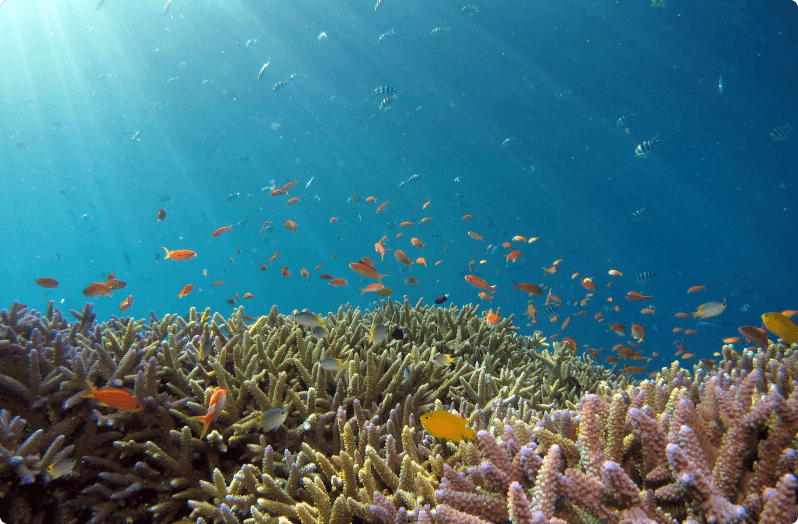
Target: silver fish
{"x": 273, "y": 419}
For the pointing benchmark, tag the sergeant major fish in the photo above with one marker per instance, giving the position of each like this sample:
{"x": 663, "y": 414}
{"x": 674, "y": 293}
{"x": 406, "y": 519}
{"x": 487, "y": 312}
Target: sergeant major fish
{"x": 646, "y": 146}
{"x": 780, "y": 133}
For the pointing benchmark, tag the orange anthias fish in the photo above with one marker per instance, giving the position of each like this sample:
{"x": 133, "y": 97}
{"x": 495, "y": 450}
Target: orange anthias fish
{"x": 125, "y": 304}
{"x": 696, "y": 289}
{"x": 636, "y": 295}
{"x": 304, "y": 273}
{"x": 474, "y": 235}
{"x": 338, "y": 282}
{"x": 363, "y": 269}
{"x": 215, "y": 407}
{"x": 754, "y": 335}
{"x": 442, "y": 424}
{"x": 615, "y": 273}
{"x": 186, "y": 290}
{"x": 285, "y": 272}
{"x": 401, "y": 257}
{"x": 416, "y": 242}
{"x": 514, "y": 255}
{"x": 179, "y": 254}
{"x": 290, "y": 224}
{"x": 98, "y": 289}
{"x": 221, "y": 231}
{"x": 47, "y": 282}
{"x": 638, "y": 332}
{"x": 379, "y": 249}
{"x": 550, "y": 270}
{"x": 115, "y": 398}
{"x": 371, "y": 199}
{"x": 531, "y": 289}
{"x": 492, "y": 318}
{"x": 115, "y": 283}
{"x": 479, "y": 283}
{"x": 588, "y": 284}
{"x": 292, "y": 201}
{"x": 288, "y": 186}
{"x": 371, "y": 288}
{"x": 382, "y": 206}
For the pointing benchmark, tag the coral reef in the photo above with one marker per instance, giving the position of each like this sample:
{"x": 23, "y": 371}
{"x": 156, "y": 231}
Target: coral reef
{"x": 559, "y": 439}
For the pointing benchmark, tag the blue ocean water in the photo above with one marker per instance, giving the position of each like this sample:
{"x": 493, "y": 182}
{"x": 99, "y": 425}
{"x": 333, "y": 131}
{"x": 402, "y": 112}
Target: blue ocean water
{"x": 110, "y": 112}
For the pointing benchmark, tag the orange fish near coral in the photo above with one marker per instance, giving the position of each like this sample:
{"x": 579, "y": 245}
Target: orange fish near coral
{"x": 479, "y": 283}
{"x": 98, "y": 289}
{"x": 115, "y": 398}
{"x": 179, "y": 254}
{"x": 221, "y": 231}
{"x": 363, "y": 269}
{"x": 442, "y": 424}
{"x": 215, "y": 407}
{"x": 371, "y": 288}
{"x": 47, "y": 282}
{"x": 186, "y": 290}
{"x": 125, "y": 304}
{"x": 492, "y": 318}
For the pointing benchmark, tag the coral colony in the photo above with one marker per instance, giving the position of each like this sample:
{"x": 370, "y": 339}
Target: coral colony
{"x": 558, "y": 439}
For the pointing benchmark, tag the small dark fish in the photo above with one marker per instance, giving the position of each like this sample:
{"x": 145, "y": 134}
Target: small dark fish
{"x": 20, "y": 146}
{"x": 91, "y": 205}
{"x": 398, "y": 334}
{"x": 231, "y": 301}
{"x": 387, "y": 90}
{"x": 157, "y": 256}
{"x": 460, "y": 195}
{"x": 57, "y": 124}
{"x": 126, "y": 257}
{"x": 166, "y": 198}
{"x": 58, "y": 256}
{"x": 441, "y": 299}
{"x": 242, "y": 222}
{"x": 740, "y": 291}
{"x": 62, "y": 191}
{"x": 243, "y": 158}
{"x": 231, "y": 196}
{"x": 161, "y": 214}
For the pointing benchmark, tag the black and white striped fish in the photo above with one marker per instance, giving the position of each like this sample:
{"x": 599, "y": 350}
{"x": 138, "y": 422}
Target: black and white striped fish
{"x": 645, "y": 148}
{"x": 387, "y": 90}
{"x": 746, "y": 308}
{"x": 386, "y": 102}
{"x": 740, "y": 291}
{"x": 780, "y": 133}
{"x": 439, "y": 29}
{"x": 640, "y": 213}
{"x": 718, "y": 322}
{"x": 551, "y": 309}
{"x": 624, "y": 119}
{"x": 646, "y": 276}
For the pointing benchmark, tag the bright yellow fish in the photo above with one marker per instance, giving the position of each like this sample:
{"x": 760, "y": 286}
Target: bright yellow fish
{"x": 442, "y": 424}
{"x": 781, "y": 325}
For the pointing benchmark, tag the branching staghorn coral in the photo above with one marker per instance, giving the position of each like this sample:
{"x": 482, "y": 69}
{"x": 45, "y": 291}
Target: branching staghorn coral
{"x": 351, "y": 449}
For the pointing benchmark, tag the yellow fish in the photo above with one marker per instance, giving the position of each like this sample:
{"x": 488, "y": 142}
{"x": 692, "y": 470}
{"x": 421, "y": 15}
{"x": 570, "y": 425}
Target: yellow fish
{"x": 443, "y": 359}
{"x": 442, "y": 424}
{"x": 781, "y": 325}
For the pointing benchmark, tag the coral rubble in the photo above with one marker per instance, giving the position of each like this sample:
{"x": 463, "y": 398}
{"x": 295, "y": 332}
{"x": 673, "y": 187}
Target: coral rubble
{"x": 559, "y": 438}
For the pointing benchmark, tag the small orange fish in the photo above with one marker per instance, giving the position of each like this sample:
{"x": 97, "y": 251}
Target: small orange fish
{"x": 399, "y": 235}
{"x": 96, "y": 289}
{"x": 690, "y": 331}
{"x": 416, "y": 242}
{"x": 474, "y": 235}
{"x": 221, "y": 231}
{"x": 479, "y": 283}
{"x": 549, "y": 270}
{"x": 318, "y": 267}
{"x": 407, "y": 224}
{"x": 638, "y": 332}
{"x": 688, "y": 355}
{"x": 276, "y": 192}
{"x": 438, "y": 262}
{"x": 379, "y": 249}
{"x": 263, "y": 227}
{"x": 619, "y": 329}
{"x": 507, "y": 245}
{"x": 249, "y": 295}
{"x": 513, "y": 255}
{"x": 179, "y": 254}
{"x": 677, "y": 330}
{"x": 574, "y": 276}
{"x": 588, "y": 284}
{"x": 484, "y": 296}
{"x": 366, "y": 270}
{"x": 492, "y": 318}
{"x": 633, "y": 369}
{"x": 682, "y": 315}
{"x": 186, "y": 290}
{"x": 696, "y": 289}
{"x": 263, "y": 267}
{"x": 635, "y": 295}
{"x": 274, "y": 256}
{"x": 288, "y": 186}
{"x": 115, "y": 398}
{"x": 371, "y": 199}
{"x": 218, "y": 283}
{"x": 333, "y": 219}
{"x": 292, "y": 201}
{"x": 47, "y": 282}
{"x": 337, "y": 282}
{"x": 519, "y": 238}
{"x": 647, "y": 311}
{"x": 532, "y": 239}
{"x": 565, "y": 324}
{"x": 303, "y": 273}
{"x": 161, "y": 214}
{"x": 731, "y": 340}
{"x": 215, "y": 407}
{"x": 401, "y": 257}
{"x": 426, "y": 219}
{"x": 230, "y": 260}
{"x": 421, "y": 261}
{"x": 466, "y": 217}
{"x": 125, "y": 304}
{"x": 612, "y": 360}
{"x": 425, "y": 205}
{"x": 615, "y": 273}
{"x": 284, "y": 271}
{"x": 371, "y": 288}
{"x": 526, "y": 287}
{"x": 290, "y": 224}
{"x": 382, "y": 206}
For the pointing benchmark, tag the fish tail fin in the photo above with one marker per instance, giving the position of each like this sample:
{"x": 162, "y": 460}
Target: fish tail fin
{"x": 167, "y": 253}
{"x": 379, "y": 277}
{"x": 205, "y": 421}
{"x": 91, "y": 391}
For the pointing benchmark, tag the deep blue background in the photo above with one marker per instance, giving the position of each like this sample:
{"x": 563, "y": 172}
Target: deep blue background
{"x": 78, "y": 82}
